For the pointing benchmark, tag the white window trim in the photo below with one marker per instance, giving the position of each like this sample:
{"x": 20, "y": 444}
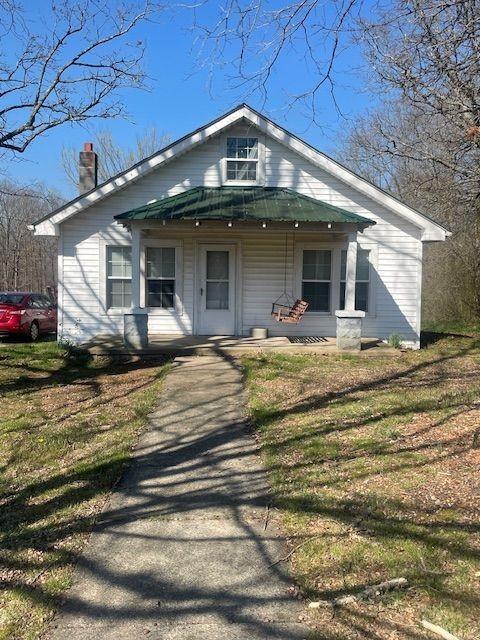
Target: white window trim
{"x": 336, "y": 249}
{"x": 357, "y": 281}
{"x": 372, "y": 289}
{"x": 246, "y": 132}
{"x": 103, "y": 274}
{"x": 154, "y": 243}
{"x": 335, "y": 273}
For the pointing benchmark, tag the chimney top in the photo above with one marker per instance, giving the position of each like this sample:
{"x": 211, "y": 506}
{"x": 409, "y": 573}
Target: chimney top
{"x": 87, "y": 168}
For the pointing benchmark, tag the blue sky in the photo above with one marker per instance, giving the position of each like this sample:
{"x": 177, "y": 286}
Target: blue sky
{"x": 180, "y": 99}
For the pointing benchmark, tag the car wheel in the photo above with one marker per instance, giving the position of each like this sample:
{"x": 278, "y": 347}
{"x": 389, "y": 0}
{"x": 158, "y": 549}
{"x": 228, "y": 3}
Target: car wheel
{"x": 34, "y": 332}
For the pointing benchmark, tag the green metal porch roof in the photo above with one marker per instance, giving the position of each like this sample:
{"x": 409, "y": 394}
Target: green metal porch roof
{"x": 242, "y": 203}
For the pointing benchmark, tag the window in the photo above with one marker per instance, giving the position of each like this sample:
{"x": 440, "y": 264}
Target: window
{"x": 316, "y": 279}
{"x": 11, "y": 298}
{"x": 217, "y": 280}
{"x": 242, "y": 159}
{"x": 35, "y": 302}
{"x": 41, "y": 302}
{"x": 161, "y": 274}
{"x": 119, "y": 277}
{"x": 362, "y": 282}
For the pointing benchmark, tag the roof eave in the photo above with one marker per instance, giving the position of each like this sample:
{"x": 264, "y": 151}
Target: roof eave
{"x": 431, "y": 230}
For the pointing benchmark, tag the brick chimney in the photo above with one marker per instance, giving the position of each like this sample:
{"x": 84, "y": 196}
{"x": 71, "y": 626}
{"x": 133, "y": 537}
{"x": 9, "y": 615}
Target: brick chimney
{"x": 87, "y": 176}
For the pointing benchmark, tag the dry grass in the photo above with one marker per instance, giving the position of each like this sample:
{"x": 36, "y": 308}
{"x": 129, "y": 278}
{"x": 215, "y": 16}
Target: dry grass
{"x": 67, "y": 427}
{"x": 377, "y": 460}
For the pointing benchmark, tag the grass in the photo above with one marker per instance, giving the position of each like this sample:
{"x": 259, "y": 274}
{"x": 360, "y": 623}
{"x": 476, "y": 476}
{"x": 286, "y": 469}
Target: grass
{"x": 375, "y": 466}
{"x": 67, "y": 427}
{"x": 453, "y": 327}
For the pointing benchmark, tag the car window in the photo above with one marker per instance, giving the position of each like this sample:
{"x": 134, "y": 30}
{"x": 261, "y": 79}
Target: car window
{"x": 46, "y": 301}
{"x": 11, "y": 298}
{"x": 36, "y": 302}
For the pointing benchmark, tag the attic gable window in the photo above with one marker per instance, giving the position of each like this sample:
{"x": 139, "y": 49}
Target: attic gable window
{"x": 242, "y": 159}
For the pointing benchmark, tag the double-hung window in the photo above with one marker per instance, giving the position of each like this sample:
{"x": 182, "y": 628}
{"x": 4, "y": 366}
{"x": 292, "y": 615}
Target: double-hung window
{"x": 119, "y": 277}
{"x": 317, "y": 279}
{"x": 160, "y": 277}
{"x": 362, "y": 282}
{"x": 242, "y": 159}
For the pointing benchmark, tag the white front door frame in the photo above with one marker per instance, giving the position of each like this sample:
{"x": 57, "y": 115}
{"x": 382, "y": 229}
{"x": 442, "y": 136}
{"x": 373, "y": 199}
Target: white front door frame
{"x": 200, "y": 246}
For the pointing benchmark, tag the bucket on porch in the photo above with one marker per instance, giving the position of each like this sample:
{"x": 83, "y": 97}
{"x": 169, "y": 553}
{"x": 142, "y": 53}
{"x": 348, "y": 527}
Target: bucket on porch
{"x": 259, "y": 333}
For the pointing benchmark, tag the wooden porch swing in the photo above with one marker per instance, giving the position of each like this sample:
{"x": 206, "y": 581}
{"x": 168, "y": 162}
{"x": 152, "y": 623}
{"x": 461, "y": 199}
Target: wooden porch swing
{"x": 286, "y": 308}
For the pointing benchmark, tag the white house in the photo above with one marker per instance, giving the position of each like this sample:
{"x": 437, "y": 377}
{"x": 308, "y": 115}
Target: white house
{"x": 203, "y": 236}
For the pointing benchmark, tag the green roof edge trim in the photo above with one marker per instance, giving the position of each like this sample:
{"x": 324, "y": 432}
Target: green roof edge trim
{"x": 242, "y": 203}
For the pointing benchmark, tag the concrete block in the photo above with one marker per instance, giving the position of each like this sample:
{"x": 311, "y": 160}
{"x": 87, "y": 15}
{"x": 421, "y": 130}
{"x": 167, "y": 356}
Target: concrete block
{"x": 349, "y": 329}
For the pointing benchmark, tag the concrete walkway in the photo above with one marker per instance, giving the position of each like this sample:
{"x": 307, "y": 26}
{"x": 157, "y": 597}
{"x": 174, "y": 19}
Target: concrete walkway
{"x": 181, "y": 551}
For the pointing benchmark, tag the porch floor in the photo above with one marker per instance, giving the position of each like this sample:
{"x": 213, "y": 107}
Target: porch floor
{"x": 229, "y": 345}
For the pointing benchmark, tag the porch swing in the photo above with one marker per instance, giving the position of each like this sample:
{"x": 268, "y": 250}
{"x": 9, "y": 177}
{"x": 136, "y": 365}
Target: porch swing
{"x": 286, "y": 308}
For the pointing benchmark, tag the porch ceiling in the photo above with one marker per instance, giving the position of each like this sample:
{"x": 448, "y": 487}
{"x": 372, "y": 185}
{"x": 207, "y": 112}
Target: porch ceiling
{"x": 243, "y": 203}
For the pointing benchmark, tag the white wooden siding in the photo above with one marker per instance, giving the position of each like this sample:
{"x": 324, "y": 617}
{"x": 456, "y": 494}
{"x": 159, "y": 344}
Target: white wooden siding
{"x": 397, "y": 279}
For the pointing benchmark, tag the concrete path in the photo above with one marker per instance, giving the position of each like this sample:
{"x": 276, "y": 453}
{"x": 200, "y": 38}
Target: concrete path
{"x": 181, "y": 551}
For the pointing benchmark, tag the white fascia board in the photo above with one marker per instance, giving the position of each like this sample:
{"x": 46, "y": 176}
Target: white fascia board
{"x": 431, "y": 231}
{"x": 45, "y": 228}
{"x": 119, "y": 182}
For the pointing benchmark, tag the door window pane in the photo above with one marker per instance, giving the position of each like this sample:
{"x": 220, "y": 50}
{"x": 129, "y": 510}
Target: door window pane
{"x": 217, "y": 295}
{"x": 217, "y": 265}
{"x": 217, "y": 279}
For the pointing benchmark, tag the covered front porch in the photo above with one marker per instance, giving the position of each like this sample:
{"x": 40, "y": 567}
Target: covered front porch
{"x": 231, "y": 346}
{"x": 212, "y": 261}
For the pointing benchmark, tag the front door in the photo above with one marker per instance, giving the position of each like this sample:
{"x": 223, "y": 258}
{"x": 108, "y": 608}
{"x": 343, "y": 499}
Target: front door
{"x": 217, "y": 290}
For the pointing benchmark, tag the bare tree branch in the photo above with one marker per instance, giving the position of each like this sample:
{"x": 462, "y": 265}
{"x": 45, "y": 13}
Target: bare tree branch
{"x": 113, "y": 157}
{"x": 68, "y": 71}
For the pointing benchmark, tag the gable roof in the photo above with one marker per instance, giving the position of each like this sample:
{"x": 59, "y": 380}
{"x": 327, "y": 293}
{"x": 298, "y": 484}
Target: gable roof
{"x": 243, "y": 203}
{"x": 48, "y": 225}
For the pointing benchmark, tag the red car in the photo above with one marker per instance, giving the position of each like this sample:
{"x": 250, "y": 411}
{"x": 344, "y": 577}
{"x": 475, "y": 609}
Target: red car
{"x": 26, "y": 314}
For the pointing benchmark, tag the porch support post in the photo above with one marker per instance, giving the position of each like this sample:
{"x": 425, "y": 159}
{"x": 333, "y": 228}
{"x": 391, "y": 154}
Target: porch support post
{"x": 135, "y": 323}
{"x": 351, "y": 272}
{"x": 349, "y": 321}
{"x": 136, "y": 268}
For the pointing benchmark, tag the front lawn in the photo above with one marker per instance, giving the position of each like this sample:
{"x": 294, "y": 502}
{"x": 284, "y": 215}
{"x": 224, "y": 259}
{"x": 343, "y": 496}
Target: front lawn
{"x": 375, "y": 464}
{"x": 67, "y": 426}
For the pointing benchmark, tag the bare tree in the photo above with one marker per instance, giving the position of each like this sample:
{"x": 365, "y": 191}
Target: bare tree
{"x": 372, "y": 148}
{"x": 65, "y": 65}
{"x": 26, "y": 263}
{"x": 426, "y": 53}
{"x": 112, "y": 157}
{"x": 422, "y": 57}
{"x": 253, "y": 38}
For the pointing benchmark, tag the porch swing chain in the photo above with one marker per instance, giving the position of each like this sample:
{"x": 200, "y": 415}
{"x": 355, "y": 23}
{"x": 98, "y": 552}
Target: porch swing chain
{"x": 288, "y": 298}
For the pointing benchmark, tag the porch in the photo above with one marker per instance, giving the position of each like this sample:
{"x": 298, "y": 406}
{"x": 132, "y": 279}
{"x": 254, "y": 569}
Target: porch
{"x": 212, "y": 261}
{"x": 232, "y": 346}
